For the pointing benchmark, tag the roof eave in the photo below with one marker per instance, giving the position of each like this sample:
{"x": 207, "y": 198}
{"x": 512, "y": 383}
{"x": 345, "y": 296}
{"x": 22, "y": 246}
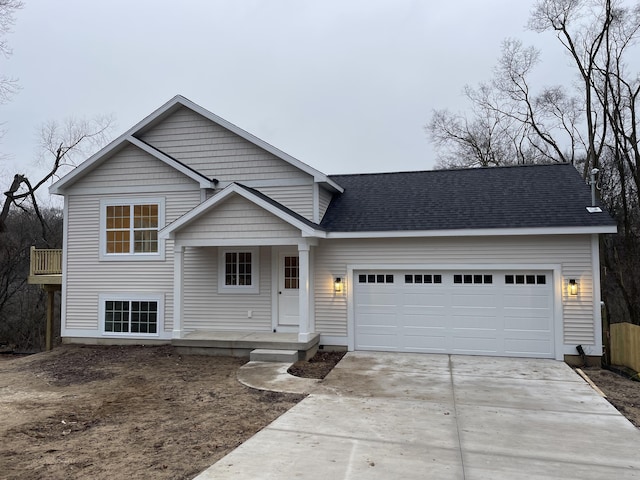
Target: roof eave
{"x": 478, "y": 232}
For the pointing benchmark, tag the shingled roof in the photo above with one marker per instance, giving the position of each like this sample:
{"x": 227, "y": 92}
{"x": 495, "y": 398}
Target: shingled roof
{"x": 533, "y": 196}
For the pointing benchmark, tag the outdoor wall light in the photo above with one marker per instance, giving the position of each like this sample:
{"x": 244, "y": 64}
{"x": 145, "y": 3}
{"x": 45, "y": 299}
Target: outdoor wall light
{"x": 337, "y": 285}
{"x": 573, "y": 287}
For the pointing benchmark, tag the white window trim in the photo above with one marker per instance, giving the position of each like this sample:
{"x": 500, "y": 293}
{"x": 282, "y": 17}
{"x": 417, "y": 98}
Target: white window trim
{"x": 155, "y": 256}
{"x": 254, "y": 288}
{"x": 103, "y": 298}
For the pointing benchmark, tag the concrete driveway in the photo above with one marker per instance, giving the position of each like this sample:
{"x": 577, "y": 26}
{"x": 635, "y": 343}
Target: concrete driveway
{"x": 410, "y": 416}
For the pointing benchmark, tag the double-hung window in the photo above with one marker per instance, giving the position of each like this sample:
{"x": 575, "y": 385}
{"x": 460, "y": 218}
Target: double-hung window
{"x": 238, "y": 271}
{"x": 130, "y": 228}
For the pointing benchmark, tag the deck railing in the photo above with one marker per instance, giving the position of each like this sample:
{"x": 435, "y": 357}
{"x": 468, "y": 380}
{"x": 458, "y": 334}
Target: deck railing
{"x": 46, "y": 261}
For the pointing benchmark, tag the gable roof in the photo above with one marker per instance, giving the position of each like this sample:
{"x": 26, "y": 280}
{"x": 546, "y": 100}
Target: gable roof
{"x": 160, "y": 114}
{"x": 519, "y": 197}
{"x": 307, "y": 228}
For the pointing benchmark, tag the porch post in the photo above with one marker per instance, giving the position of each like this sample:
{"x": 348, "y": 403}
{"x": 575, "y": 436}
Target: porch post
{"x": 178, "y": 267}
{"x": 304, "y": 332}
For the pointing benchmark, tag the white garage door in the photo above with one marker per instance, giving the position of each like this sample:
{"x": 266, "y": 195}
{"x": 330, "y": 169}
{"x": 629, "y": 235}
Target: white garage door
{"x": 504, "y": 313}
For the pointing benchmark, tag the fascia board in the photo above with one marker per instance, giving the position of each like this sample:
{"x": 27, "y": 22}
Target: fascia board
{"x": 202, "y": 180}
{"x": 94, "y": 160}
{"x": 89, "y": 164}
{"x": 487, "y": 232}
{"x": 221, "y": 197}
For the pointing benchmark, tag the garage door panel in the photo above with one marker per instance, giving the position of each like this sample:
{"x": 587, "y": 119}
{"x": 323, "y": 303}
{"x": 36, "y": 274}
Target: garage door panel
{"x": 426, "y": 344}
{"x": 423, "y": 299}
{"x": 377, "y": 321}
{"x": 473, "y": 300}
{"x": 522, "y": 301}
{"x": 528, "y": 324}
{"x": 529, "y": 347}
{"x": 474, "y": 345}
{"x": 430, "y": 318}
{"x": 384, "y": 343}
{"x": 492, "y": 316}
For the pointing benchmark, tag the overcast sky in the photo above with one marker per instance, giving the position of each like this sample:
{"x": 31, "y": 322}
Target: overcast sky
{"x": 344, "y": 86}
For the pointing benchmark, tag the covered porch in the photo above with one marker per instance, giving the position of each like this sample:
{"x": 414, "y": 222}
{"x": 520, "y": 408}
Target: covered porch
{"x": 243, "y": 276}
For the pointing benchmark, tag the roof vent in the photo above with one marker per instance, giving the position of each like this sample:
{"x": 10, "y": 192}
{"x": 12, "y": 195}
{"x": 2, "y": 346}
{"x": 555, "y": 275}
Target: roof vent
{"x": 592, "y": 182}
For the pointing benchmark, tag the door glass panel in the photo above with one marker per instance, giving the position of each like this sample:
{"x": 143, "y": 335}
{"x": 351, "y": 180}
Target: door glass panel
{"x": 291, "y": 272}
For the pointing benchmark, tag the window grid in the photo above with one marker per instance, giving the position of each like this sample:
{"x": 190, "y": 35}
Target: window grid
{"x": 422, "y": 279}
{"x": 125, "y": 222}
{"x": 291, "y": 272}
{"x": 237, "y": 269}
{"x": 478, "y": 279}
{"x": 124, "y": 316}
{"x": 525, "y": 279}
{"x": 375, "y": 278}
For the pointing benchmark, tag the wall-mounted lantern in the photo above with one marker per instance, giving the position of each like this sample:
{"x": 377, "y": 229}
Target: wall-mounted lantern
{"x": 573, "y": 287}
{"x": 338, "y": 285}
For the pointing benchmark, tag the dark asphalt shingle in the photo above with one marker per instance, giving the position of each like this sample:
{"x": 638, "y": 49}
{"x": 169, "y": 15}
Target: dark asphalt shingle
{"x": 503, "y": 197}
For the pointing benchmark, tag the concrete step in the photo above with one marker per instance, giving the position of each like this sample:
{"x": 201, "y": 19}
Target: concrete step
{"x": 272, "y": 355}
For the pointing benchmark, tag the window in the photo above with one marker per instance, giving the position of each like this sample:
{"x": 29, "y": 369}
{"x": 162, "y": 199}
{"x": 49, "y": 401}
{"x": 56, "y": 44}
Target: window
{"x": 422, "y": 278}
{"x": 375, "y": 278}
{"x": 473, "y": 278}
{"x": 291, "y": 272}
{"x": 130, "y": 229}
{"x": 238, "y": 271}
{"x": 525, "y": 279}
{"x": 124, "y": 315}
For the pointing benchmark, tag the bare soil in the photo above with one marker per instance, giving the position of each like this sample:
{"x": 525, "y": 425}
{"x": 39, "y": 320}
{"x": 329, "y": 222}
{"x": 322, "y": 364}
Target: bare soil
{"x": 125, "y": 412}
{"x": 147, "y": 412}
{"x": 623, "y": 393}
{"x": 318, "y": 366}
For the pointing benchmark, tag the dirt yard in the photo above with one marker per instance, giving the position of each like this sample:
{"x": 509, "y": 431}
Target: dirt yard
{"x": 147, "y": 412}
{"x": 125, "y": 412}
{"x": 622, "y": 393}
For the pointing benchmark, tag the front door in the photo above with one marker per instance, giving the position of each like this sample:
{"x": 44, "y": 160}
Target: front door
{"x": 288, "y": 285}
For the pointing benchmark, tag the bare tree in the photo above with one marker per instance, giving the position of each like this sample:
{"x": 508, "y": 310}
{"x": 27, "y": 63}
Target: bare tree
{"x": 592, "y": 124}
{"x": 8, "y": 8}
{"x": 61, "y": 144}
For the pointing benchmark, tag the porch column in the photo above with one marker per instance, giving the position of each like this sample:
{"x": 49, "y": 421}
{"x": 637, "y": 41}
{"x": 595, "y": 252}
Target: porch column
{"x": 304, "y": 332}
{"x": 178, "y": 267}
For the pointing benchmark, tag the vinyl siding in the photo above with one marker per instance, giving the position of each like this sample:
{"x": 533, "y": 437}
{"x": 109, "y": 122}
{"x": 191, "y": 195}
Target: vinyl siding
{"x": 572, "y": 252}
{"x": 132, "y": 167}
{"x": 298, "y": 198}
{"x": 205, "y": 309}
{"x": 237, "y": 218}
{"x": 325, "y": 200}
{"x": 87, "y": 276}
{"x": 215, "y": 151}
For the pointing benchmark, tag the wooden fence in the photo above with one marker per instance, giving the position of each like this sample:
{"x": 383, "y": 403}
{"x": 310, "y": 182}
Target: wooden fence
{"x": 625, "y": 345}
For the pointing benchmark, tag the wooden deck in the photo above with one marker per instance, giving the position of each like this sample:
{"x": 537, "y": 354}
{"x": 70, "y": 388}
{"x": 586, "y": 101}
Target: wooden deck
{"x": 240, "y": 344}
{"x": 46, "y": 267}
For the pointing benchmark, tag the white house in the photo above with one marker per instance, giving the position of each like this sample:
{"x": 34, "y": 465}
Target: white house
{"x": 187, "y": 228}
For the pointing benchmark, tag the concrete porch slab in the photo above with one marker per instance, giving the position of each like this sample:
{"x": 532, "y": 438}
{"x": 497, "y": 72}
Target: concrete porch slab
{"x": 240, "y": 344}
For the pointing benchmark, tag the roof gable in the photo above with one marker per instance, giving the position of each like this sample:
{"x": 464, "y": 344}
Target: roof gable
{"x": 306, "y": 227}
{"x": 157, "y": 117}
{"x": 535, "y": 196}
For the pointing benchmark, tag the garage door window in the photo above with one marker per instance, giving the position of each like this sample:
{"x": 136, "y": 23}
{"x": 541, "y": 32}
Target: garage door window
{"x": 422, "y": 278}
{"x": 375, "y": 278}
{"x": 525, "y": 279}
{"x": 470, "y": 278}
